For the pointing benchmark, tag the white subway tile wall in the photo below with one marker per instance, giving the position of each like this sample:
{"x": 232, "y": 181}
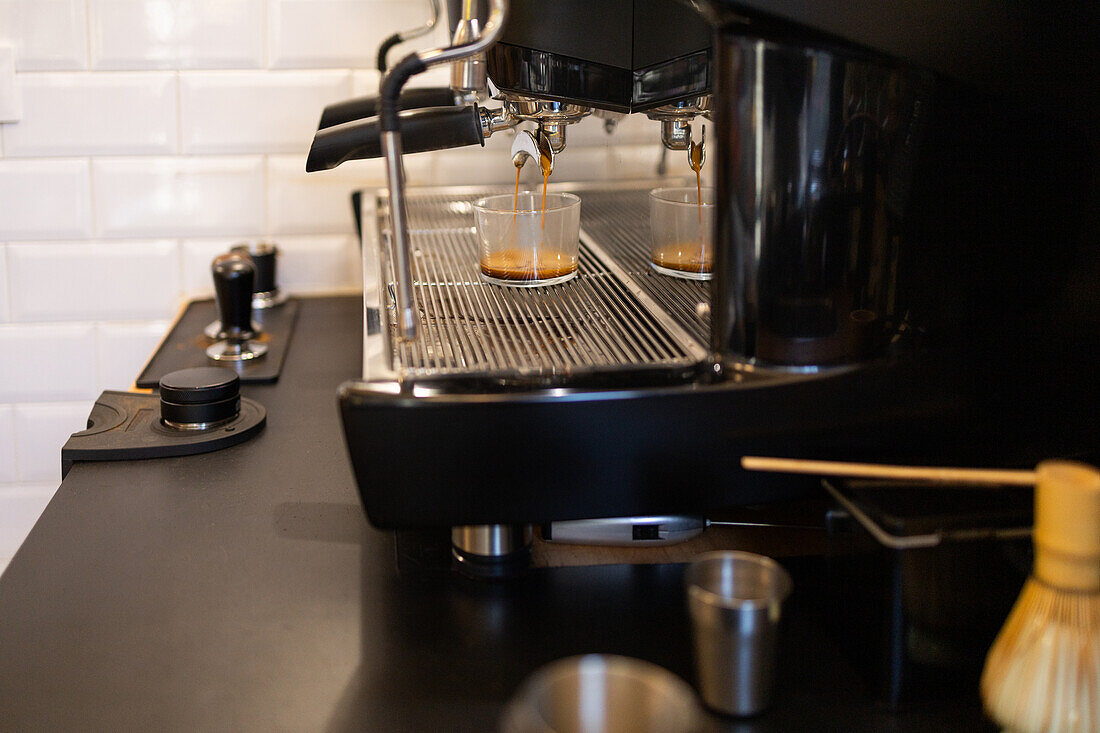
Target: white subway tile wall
{"x": 95, "y": 114}
{"x": 255, "y": 111}
{"x": 4, "y": 312}
{"x": 48, "y": 35}
{"x": 315, "y": 264}
{"x": 181, "y": 196}
{"x": 7, "y": 445}
{"x": 305, "y": 203}
{"x": 44, "y": 199}
{"x": 156, "y": 134}
{"x": 110, "y": 280}
{"x": 182, "y": 34}
{"x": 40, "y": 431}
{"x": 47, "y": 361}
{"x": 123, "y": 350}
{"x": 334, "y": 33}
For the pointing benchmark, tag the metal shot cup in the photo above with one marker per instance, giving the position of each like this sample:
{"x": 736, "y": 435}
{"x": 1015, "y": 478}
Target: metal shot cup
{"x": 681, "y": 231}
{"x": 735, "y": 600}
{"x": 524, "y": 245}
{"x": 602, "y": 693}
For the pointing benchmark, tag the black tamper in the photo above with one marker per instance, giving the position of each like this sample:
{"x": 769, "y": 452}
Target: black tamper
{"x": 265, "y": 291}
{"x": 234, "y": 275}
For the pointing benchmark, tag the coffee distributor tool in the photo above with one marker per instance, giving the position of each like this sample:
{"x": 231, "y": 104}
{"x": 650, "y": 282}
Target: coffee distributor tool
{"x": 875, "y": 292}
{"x": 196, "y": 410}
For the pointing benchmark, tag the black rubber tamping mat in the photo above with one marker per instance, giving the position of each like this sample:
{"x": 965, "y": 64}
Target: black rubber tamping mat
{"x": 185, "y": 345}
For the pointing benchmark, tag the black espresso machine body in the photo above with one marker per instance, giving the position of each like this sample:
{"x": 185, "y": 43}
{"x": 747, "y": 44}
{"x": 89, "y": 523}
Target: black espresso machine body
{"x": 906, "y": 270}
{"x": 644, "y": 55}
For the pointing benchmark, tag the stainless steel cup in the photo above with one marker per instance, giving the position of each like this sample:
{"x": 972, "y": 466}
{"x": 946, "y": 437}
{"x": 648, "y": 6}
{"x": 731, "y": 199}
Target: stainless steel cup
{"x": 602, "y": 693}
{"x": 735, "y": 599}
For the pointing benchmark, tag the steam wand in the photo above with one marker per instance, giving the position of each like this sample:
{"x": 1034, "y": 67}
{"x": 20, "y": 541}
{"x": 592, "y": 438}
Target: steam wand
{"x": 390, "y": 139}
{"x": 408, "y": 35}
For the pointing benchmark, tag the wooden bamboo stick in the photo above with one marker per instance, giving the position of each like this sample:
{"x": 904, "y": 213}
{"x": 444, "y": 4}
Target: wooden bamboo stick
{"x": 935, "y": 474}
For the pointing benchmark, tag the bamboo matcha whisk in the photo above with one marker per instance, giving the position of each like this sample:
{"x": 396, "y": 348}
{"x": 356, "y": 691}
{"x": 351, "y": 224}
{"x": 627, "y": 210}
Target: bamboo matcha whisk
{"x": 1043, "y": 671}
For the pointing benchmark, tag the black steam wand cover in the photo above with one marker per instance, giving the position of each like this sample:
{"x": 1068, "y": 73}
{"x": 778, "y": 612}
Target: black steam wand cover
{"x": 360, "y": 108}
{"x": 431, "y": 128}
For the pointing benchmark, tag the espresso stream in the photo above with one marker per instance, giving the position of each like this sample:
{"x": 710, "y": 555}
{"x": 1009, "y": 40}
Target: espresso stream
{"x": 689, "y": 256}
{"x": 537, "y": 263}
{"x": 545, "y": 163}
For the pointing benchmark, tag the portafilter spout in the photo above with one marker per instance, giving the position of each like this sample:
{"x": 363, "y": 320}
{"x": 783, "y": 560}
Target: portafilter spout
{"x": 526, "y": 146}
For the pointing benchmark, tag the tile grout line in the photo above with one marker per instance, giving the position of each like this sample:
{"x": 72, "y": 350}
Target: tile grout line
{"x": 93, "y": 225}
{"x": 265, "y": 35}
{"x": 87, "y": 35}
{"x": 181, "y": 279}
{"x": 14, "y": 445}
{"x": 266, "y": 186}
{"x": 5, "y": 286}
{"x": 179, "y": 112}
{"x": 97, "y": 352}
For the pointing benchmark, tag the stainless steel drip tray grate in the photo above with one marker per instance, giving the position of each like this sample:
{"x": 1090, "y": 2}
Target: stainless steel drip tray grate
{"x": 618, "y": 221}
{"x": 597, "y": 322}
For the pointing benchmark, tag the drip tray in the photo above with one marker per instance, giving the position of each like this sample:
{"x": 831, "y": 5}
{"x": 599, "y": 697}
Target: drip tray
{"x": 617, "y": 314}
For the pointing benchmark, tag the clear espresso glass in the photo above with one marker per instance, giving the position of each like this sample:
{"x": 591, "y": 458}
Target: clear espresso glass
{"x": 682, "y": 232}
{"x": 525, "y": 245}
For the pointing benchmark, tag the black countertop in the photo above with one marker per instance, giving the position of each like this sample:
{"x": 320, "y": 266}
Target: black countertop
{"x": 244, "y": 590}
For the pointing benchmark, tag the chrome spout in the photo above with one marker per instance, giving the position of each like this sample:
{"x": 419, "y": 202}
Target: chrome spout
{"x": 676, "y": 134}
{"x": 676, "y": 120}
{"x": 498, "y": 11}
{"x": 554, "y": 134}
{"x": 468, "y": 75}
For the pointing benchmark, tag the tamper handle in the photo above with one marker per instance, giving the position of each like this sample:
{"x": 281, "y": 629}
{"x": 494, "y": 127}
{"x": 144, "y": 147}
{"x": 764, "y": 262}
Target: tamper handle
{"x": 233, "y": 277}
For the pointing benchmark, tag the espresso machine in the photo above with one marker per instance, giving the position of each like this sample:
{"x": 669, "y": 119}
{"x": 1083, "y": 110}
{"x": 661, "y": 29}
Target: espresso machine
{"x": 905, "y": 264}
